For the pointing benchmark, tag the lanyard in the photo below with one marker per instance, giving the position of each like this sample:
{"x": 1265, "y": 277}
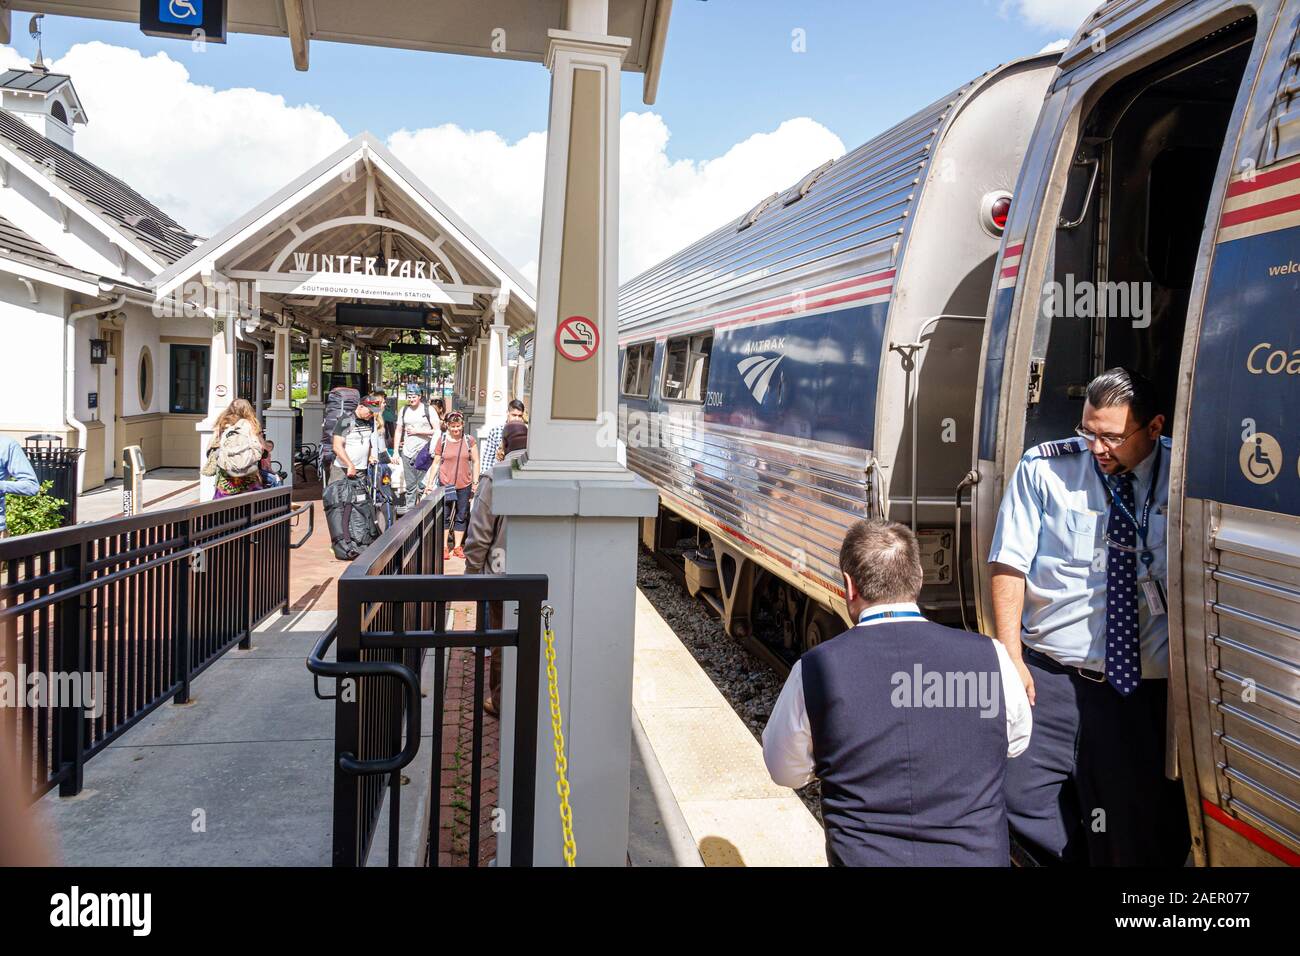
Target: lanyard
{"x": 895, "y": 615}
{"x": 1143, "y": 526}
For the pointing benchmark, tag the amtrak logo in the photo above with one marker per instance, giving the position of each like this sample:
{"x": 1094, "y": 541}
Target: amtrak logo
{"x": 757, "y": 371}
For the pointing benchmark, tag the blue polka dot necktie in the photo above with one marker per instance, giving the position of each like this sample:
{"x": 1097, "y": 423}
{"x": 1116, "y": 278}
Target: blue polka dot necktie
{"x": 1123, "y": 656}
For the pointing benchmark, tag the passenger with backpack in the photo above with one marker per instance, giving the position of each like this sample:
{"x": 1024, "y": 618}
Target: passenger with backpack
{"x": 235, "y": 451}
{"x": 455, "y": 468}
{"x": 416, "y": 427}
{"x": 354, "y": 440}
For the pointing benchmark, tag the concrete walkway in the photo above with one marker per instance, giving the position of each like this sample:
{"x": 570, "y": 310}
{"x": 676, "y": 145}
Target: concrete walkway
{"x": 239, "y": 777}
{"x": 163, "y": 488}
{"x": 711, "y": 762}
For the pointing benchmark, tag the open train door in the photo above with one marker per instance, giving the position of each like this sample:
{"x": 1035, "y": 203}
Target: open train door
{"x": 1106, "y": 261}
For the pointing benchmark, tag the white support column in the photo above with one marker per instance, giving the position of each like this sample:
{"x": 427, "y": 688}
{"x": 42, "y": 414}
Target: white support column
{"x": 313, "y": 406}
{"x": 280, "y": 416}
{"x": 221, "y": 390}
{"x": 498, "y": 355}
{"x": 478, "y": 401}
{"x": 572, "y": 509}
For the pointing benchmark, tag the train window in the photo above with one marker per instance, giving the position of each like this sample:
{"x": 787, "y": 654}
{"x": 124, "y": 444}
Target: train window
{"x": 686, "y": 367}
{"x": 637, "y": 364}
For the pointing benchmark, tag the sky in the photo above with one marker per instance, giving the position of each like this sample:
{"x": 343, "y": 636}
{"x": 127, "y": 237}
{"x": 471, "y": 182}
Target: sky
{"x": 754, "y": 93}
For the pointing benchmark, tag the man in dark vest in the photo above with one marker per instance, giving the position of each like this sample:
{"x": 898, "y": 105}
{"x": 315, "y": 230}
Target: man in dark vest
{"x": 907, "y": 724}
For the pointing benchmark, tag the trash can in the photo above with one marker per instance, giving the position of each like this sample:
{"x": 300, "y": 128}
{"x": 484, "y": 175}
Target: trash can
{"x": 53, "y": 462}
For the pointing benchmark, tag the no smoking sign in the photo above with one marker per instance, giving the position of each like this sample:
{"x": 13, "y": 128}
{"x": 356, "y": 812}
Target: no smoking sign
{"x": 577, "y": 339}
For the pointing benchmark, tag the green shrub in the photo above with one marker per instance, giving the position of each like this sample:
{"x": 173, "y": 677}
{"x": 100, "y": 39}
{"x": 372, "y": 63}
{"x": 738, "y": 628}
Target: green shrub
{"x": 27, "y": 514}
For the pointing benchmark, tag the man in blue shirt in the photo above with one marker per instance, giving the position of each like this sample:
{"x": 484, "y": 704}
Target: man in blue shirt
{"x": 1079, "y": 602}
{"x": 16, "y": 475}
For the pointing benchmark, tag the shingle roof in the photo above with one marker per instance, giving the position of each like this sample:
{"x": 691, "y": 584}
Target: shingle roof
{"x": 164, "y": 238}
{"x": 35, "y": 81}
{"x": 17, "y": 245}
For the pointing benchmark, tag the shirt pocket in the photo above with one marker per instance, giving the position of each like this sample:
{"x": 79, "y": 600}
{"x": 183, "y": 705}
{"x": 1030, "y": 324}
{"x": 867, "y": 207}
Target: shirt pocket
{"x": 1081, "y": 537}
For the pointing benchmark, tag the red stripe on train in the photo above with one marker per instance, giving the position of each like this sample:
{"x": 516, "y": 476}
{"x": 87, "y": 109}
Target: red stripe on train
{"x": 1264, "y": 210}
{"x": 1264, "y": 181}
{"x": 1261, "y": 840}
{"x": 821, "y": 290}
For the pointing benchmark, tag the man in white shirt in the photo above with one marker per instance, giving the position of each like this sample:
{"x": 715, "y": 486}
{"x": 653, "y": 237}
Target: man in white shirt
{"x": 415, "y": 427}
{"x": 908, "y": 724}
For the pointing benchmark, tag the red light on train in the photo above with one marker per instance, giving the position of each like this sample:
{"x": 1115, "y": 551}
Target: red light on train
{"x": 994, "y": 212}
{"x": 1001, "y": 209}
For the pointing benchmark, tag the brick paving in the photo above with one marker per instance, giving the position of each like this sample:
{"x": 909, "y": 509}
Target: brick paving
{"x": 313, "y": 583}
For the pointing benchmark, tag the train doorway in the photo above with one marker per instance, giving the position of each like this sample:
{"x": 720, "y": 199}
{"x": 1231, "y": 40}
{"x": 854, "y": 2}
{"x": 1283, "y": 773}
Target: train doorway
{"x": 1131, "y": 224}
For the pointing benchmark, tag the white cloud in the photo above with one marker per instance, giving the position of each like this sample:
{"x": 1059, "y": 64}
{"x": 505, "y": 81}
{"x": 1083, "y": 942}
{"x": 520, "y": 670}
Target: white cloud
{"x": 1052, "y": 14}
{"x": 164, "y": 134}
{"x": 1056, "y": 46}
{"x": 668, "y": 204}
{"x": 204, "y": 155}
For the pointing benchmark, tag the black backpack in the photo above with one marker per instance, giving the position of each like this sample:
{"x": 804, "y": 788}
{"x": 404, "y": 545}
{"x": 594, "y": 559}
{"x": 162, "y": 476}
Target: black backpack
{"x": 340, "y": 401}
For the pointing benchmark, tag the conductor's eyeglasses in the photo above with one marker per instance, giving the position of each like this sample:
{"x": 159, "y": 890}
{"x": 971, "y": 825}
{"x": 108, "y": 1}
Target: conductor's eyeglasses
{"x": 1110, "y": 441}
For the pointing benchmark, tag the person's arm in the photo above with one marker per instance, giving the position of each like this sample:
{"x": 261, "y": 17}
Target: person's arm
{"x": 478, "y": 539}
{"x": 1008, "y": 612}
{"x": 22, "y": 479}
{"x": 341, "y": 455}
{"x": 1015, "y": 543}
{"x": 787, "y": 738}
{"x": 400, "y": 433}
{"x": 473, "y": 466}
{"x": 1020, "y": 714}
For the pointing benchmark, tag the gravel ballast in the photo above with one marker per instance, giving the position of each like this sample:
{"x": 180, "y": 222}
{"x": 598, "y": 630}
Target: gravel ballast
{"x": 747, "y": 683}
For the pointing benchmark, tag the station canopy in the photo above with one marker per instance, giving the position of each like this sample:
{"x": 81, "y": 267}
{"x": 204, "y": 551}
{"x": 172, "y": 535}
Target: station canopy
{"x": 500, "y": 29}
{"x": 359, "y": 228}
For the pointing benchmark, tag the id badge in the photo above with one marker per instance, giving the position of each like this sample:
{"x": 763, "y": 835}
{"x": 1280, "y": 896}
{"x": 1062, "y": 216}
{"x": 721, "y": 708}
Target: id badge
{"x": 1154, "y": 597}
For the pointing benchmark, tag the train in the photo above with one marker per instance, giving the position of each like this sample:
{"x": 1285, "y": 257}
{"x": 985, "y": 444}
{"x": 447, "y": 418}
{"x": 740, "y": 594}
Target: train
{"x": 887, "y": 337}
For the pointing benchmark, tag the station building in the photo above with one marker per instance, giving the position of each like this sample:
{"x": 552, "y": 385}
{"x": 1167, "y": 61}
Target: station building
{"x": 125, "y": 328}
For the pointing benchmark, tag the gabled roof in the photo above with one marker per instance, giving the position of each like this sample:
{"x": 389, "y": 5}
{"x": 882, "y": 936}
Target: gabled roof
{"x": 360, "y": 175}
{"x": 128, "y": 212}
{"x": 46, "y": 84}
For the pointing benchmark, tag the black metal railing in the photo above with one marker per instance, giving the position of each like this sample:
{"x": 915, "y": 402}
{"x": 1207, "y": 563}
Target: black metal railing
{"x": 135, "y": 608}
{"x": 392, "y": 609}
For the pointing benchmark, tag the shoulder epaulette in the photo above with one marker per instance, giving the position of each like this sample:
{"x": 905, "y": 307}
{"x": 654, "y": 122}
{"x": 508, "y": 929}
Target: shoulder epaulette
{"x": 1066, "y": 446}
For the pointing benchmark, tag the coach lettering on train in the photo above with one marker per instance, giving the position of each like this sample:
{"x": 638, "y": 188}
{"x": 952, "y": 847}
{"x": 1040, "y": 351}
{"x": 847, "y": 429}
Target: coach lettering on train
{"x": 1079, "y": 578}
{"x": 910, "y": 775}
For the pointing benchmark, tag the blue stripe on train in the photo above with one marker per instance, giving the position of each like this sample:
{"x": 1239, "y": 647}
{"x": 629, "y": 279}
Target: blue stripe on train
{"x": 1236, "y": 399}
{"x": 809, "y": 376}
{"x": 994, "y": 365}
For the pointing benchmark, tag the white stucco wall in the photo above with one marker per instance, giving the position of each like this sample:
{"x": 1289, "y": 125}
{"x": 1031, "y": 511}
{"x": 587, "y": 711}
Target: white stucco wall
{"x": 31, "y": 361}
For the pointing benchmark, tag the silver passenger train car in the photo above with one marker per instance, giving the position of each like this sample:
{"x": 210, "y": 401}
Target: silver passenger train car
{"x": 1166, "y": 165}
{"x": 1163, "y": 177}
{"x": 816, "y": 360}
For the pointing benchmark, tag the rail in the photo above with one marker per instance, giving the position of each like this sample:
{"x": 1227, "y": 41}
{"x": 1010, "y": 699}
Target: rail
{"x": 392, "y": 609}
{"x": 100, "y": 623}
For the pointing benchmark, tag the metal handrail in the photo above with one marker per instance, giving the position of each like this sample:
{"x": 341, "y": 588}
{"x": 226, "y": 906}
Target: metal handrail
{"x": 58, "y": 597}
{"x": 91, "y": 530}
{"x": 320, "y": 667}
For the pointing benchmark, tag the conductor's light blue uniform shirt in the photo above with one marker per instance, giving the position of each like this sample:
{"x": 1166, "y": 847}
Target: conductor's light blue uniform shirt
{"x": 1052, "y": 527}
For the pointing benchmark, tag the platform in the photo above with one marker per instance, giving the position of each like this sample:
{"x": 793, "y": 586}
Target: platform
{"x": 712, "y": 764}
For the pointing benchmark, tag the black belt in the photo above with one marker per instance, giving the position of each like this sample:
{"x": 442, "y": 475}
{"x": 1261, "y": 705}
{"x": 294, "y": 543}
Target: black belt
{"x": 1056, "y": 667}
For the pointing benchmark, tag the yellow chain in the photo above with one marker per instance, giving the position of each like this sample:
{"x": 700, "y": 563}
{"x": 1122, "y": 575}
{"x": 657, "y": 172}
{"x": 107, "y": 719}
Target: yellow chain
{"x": 561, "y": 763}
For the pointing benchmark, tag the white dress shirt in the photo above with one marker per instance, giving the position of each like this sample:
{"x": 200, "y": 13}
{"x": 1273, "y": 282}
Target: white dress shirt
{"x": 787, "y": 738}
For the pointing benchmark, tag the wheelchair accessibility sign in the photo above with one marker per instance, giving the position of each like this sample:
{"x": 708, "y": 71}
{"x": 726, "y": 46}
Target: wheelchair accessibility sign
{"x": 187, "y": 12}
{"x": 1260, "y": 458}
{"x": 190, "y": 20}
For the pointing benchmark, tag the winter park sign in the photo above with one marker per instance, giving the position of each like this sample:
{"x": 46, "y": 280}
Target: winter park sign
{"x": 370, "y": 277}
